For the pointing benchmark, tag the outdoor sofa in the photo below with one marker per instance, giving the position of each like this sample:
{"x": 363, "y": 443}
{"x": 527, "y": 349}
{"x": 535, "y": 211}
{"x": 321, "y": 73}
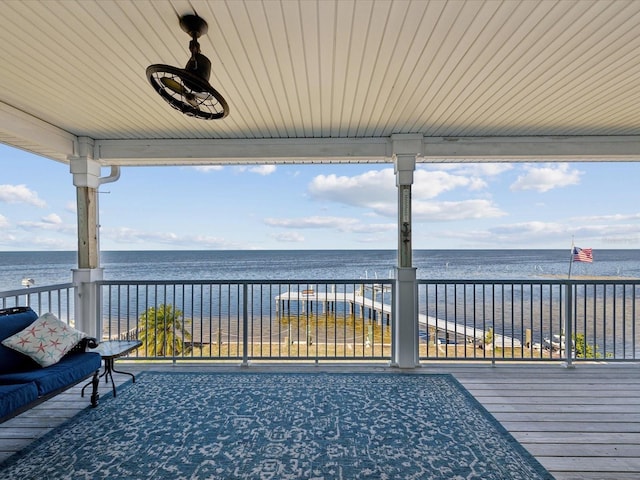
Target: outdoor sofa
{"x": 39, "y": 358}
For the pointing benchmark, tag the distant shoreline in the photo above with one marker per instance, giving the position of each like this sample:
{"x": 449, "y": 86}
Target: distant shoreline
{"x": 589, "y": 277}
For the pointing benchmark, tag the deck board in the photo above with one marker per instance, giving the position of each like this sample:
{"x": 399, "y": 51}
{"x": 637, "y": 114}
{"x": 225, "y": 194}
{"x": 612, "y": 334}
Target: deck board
{"x": 580, "y": 423}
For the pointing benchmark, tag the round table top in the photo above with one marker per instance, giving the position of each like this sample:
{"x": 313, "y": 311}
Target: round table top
{"x": 115, "y": 348}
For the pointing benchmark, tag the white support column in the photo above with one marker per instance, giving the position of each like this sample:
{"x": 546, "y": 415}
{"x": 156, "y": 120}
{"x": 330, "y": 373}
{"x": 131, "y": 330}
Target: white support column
{"x": 86, "y": 178}
{"x": 86, "y": 301}
{"x": 405, "y": 352}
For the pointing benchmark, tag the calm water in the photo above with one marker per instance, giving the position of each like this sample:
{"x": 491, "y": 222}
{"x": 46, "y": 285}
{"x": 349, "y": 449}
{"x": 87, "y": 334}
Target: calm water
{"x": 48, "y": 268}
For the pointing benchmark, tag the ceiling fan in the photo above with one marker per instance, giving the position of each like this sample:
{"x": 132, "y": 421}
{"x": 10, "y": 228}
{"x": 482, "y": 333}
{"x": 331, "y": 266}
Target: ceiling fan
{"x": 187, "y": 89}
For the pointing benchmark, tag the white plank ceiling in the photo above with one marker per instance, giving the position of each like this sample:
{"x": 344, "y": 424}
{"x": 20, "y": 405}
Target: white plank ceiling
{"x": 322, "y": 69}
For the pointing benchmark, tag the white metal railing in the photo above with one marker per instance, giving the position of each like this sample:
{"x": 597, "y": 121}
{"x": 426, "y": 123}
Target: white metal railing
{"x": 541, "y": 320}
{"x": 568, "y": 320}
{"x": 57, "y": 299}
{"x": 251, "y": 320}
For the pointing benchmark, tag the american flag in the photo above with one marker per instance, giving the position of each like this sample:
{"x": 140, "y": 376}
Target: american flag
{"x": 582, "y": 254}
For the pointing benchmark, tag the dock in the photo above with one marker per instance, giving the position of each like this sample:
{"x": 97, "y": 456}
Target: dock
{"x": 310, "y": 301}
{"x": 470, "y": 333}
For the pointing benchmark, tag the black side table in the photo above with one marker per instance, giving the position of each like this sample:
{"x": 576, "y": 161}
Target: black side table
{"x": 110, "y": 350}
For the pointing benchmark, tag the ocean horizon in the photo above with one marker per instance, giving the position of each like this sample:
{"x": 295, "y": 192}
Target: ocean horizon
{"x": 54, "y": 267}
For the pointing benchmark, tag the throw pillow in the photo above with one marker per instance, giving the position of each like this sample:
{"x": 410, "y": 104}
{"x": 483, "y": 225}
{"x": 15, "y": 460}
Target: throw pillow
{"x": 46, "y": 340}
{"x": 12, "y": 320}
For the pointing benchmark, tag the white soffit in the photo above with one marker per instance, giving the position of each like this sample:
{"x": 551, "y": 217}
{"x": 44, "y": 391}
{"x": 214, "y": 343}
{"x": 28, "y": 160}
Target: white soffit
{"x": 480, "y": 80}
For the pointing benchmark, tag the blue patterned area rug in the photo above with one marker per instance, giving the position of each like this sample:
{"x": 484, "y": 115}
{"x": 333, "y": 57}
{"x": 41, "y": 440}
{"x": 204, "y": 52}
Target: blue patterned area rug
{"x": 246, "y": 425}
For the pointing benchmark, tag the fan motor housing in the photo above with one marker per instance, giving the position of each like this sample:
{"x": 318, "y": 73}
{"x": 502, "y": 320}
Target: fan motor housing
{"x": 199, "y": 65}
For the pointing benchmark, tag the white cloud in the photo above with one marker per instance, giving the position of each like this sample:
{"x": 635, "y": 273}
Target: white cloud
{"x": 71, "y": 207}
{"x": 543, "y": 179}
{"x": 486, "y": 169}
{"x": 373, "y": 227}
{"x": 40, "y": 235}
{"x": 471, "y": 169}
{"x": 51, "y": 223}
{"x": 207, "y": 241}
{"x": 514, "y": 235}
{"x": 524, "y": 231}
{"x": 430, "y": 184}
{"x": 263, "y": 169}
{"x": 617, "y": 217}
{"x": 341, "y": 224}
{"x": 311, "y": 222}
{"x": 376, "y": 189}
{"x": 606, "y": 230}
{"x": 450, "y": 211}
{"x": 259, "y": 169}
{"x": 361, "y": 190}
{"x": 446, "y": 211}
{"x": 127, "y": 235}
{"x": 20, "y": 194}
{"x": 8, "y": 239}
{"x": 289, "y": 237}
{"x": 538, "y": 233}
{"x": 532, "y": 228}
{"x": 48, "y": 243}
{"x": 208, "y": 168}
{"x": 378, "y": 240}
{"x": 52, "y": 219}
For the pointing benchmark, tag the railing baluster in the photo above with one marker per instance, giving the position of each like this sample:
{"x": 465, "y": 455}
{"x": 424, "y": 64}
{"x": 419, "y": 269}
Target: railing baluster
{"x": 568, "y": 326}
{"x": 245, "y": 324}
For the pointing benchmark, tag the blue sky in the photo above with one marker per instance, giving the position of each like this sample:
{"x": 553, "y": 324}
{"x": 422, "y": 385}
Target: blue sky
{"x": 330, "y": 206}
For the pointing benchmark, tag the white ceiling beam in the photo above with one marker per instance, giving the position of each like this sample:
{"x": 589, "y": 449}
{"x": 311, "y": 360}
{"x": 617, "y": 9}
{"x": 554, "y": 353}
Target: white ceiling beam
{"x": 365, "y": 150}
{"x": 243, "y": 151}
{"x": 29, "y": 129}
{"x": 531, "y": 149}
{"x": 48, "y": 138}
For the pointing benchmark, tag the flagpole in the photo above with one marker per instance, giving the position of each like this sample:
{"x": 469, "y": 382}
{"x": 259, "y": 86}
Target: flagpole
{"x": 571, "y": 258}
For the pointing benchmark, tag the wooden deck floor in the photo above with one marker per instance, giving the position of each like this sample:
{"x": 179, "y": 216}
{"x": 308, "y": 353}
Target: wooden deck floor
{"x": 581, "y": 423}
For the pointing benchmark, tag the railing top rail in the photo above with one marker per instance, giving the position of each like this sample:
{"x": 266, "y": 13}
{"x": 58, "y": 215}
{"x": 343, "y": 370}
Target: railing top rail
{"x": 554, "y": 281}
{"x": 631, "y": 281}
{"x": 369, "y": 281}
{"x": 32, "y": 290}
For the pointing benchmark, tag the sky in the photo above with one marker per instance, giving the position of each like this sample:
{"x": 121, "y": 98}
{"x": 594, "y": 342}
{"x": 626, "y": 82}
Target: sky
{"x": 325, "y": 206}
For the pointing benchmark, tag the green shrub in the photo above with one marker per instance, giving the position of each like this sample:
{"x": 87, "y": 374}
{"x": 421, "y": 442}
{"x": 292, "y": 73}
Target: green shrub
{"x": 584, "y": 349}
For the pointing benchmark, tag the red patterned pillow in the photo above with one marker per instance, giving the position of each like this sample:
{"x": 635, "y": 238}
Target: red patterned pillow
{"x": 46, "y": 340}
